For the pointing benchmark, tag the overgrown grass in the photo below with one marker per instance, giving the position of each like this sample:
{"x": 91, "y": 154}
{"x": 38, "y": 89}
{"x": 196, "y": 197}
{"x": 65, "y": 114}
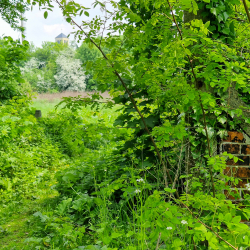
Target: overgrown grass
{"x": 45, "y": 106}
{"x": 16, "y": 216}
{"x": 17, "y": 225}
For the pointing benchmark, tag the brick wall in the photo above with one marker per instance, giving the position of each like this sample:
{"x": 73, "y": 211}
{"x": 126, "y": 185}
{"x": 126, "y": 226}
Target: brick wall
{"x": 236, "y": 145}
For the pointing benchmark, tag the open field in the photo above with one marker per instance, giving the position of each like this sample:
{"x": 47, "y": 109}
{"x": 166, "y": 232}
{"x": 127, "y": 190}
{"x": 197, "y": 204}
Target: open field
{"x": 46, "y": 102}
{"x": 57, "y": 96}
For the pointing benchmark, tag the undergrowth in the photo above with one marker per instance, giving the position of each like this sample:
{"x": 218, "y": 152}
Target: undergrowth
{"x": 67, "y": 184}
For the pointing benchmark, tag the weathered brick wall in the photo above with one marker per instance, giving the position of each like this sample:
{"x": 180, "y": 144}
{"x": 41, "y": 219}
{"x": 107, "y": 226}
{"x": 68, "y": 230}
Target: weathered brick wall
{"x": 236, "y": 145}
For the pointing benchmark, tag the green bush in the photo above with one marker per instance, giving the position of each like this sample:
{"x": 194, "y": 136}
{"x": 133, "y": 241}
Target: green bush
{"x": 24, "y": 148}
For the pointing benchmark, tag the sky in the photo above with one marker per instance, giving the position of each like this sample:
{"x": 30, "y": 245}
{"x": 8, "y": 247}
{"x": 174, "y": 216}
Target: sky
{"x": 39, "y": 29}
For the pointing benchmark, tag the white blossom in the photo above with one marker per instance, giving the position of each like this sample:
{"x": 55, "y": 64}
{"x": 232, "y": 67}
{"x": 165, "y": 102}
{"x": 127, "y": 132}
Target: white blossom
{"x": 247, "y": 186}
{"x": 169, "y": 228}
{"x": 140, "y": 180}
{"x": 184, "y": 222}
{"x": 70, "y": 75}
{"x": 42, "y": 84}
{"x": 137, "y": 191}
{"x": 33, "y": 63}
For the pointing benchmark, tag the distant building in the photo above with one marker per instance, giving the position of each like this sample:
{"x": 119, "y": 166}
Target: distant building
{"x": 62, "y": 39}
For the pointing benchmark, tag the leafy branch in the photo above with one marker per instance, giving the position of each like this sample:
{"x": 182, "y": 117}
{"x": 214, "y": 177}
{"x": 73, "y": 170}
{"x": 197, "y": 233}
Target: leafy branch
{"x": 165, "y": 169}
{"x": 202, "y": 107}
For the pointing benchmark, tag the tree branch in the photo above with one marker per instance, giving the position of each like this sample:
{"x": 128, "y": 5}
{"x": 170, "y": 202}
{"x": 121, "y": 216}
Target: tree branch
{"x": 165, "y": 170}
{"x": 246, "y": 9}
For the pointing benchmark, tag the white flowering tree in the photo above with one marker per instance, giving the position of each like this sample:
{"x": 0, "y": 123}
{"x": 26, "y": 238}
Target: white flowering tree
{"x": 35, "y": 76}
{"x": 70, "y": 75}
{"x": 43, "y": 85}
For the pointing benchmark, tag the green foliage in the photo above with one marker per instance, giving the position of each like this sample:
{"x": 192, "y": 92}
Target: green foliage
{"x": 88, "y": 57}
{"x": 24, "y": 149}
{"x": 12, "y": 53}
{"x": 41, "y": 67}
{"x": 48, "y": 52}
{"x": 12, "y": 11}
{"x": 148, "y": 176}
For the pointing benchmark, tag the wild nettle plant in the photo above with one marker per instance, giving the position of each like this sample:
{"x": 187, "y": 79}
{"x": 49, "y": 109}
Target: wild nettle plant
{"x": 177, "y": 69}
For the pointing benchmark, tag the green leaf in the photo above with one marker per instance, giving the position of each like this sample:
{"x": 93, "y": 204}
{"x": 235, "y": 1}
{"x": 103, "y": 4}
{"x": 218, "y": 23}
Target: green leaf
{"x": 228, "y": 217}
{"x": 226, "y": 31}
{"x": 221, "y": 217}
{"x": 150, "y": 121}
{"x": 169, "y": 190}
{"x": 210, "y": 132}
{"x": 217, "y": 112}
{"x": 42, "y": 217}
{"x": 116, "y": 235}
{"x": 222, "y": 119}
{"x": 188, "y": 52}
{"x": 201, "y": 228}
{"x": 213, "y": 11}
{"x": 236, "y": 219}
{"x": 235, "y": 159}
{"x": 225, "y": 15}
{"x": 113, "y": 41}
{"x": 68, "y": 19}
{"x": 207, "y": 24}
{"x": 86, "y": 13}
{"x": 220, "y": 18}
{"x": 100, "y": 230}
{"x": 45, "y": 14}
{"x": 130, "y": 233}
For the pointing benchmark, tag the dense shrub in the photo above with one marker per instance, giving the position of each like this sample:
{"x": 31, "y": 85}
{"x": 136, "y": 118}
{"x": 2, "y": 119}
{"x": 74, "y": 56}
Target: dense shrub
{"x": 24, "y": 147}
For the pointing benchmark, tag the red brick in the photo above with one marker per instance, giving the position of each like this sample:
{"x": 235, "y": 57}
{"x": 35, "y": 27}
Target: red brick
{"x": 231, "y": 148}
{"x": 240, "y": 172}
{"x": 244, "y": 161}
{"x": 237, "y": 194}
{"x": 235, "y": 137}
{"x": 245, "y": 149}
{"x": 229, "y": 171}
{"x": 245, "y": 193}
{"x": 241, "y": 184}
{"x": 243, "y": 173}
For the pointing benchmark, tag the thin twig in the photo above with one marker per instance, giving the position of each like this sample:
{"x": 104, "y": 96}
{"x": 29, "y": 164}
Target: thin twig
{"x": 246, "y": 9}
{"x": 158, "y": 242}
